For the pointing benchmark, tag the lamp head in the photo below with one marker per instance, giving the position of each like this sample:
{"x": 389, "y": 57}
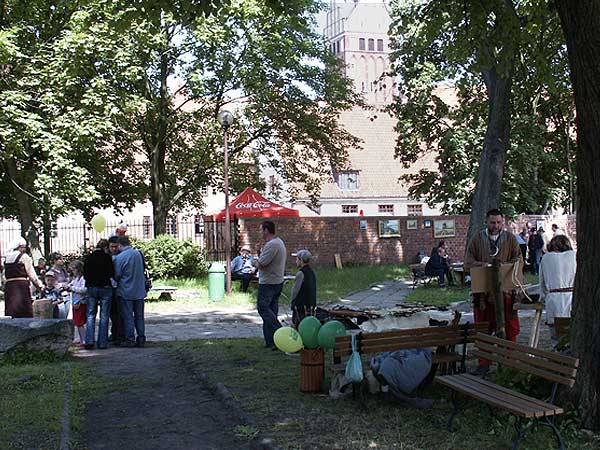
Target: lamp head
{"x": 225, "y": 118}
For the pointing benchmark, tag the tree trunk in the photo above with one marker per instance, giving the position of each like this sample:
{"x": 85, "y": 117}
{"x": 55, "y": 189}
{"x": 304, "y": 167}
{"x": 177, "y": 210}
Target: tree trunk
{"x": 158, "y": 139}
{"x": 25, "y": 203}
{"x": 581, "y": 24}
{"x": 495, "y": 146}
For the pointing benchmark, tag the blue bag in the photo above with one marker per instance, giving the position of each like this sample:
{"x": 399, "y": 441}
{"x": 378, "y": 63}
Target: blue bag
{"x": 354, "y": 370}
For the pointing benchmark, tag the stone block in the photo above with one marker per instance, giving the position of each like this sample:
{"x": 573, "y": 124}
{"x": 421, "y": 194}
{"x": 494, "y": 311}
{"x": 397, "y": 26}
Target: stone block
{"x": 55, "y": 335}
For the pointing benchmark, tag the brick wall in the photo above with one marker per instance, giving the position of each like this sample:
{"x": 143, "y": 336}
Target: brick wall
{"x": 326, "y": 236}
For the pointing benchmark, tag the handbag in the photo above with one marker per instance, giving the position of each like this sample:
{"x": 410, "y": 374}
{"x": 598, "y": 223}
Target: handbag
{"x": 354, "y": 370}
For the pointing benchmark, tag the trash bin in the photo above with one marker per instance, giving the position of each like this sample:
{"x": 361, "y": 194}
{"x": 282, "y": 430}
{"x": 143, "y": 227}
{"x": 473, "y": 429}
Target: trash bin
{"x": 216, "y": 282}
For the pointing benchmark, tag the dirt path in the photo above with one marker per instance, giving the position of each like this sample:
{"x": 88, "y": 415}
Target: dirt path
{"x": 154, "y": 404}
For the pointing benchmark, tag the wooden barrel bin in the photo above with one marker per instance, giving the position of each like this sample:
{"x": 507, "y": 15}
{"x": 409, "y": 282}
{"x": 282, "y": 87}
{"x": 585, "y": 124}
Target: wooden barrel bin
{"x": 312, "y": 369}
{"x": 42, "y": 309}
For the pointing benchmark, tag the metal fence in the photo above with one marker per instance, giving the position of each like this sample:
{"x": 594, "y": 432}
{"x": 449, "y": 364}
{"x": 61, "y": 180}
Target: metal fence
{"x": 72, "y": 237}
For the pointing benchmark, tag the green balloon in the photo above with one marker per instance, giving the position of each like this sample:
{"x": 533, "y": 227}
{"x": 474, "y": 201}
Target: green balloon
{"x": 329, "y": 332}
{"x": 309, "y": 330}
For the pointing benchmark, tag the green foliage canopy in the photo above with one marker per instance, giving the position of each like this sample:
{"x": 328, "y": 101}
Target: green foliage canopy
{"x": 442, "y": 51}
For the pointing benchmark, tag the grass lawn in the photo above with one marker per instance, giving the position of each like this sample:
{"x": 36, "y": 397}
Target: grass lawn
{"x": 266, "y": 385}
{"x": 32, "y": 398}
{"x": 431, "y": 294}
{"x": 332, "y": 284}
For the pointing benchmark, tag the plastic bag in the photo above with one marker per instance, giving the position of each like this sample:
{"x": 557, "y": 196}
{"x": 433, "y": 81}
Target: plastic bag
{"x": 354, "y": 370}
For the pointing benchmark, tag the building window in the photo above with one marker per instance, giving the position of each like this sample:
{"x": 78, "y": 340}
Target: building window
{"x": 348, "y": 180}
{"x": 361, "y": 44}
{"x": 204, "y": 190}
{"x": 386, "y": 209}
{"x": 415, "y": 210}
{"x": 198, "y": 225}
{"x": 172, "y": 225}
{"x": 349, "y": 209}
{"x": 371, "y": 45}
{"x": 379, "y": 45}
{"x": 147, "y": 227}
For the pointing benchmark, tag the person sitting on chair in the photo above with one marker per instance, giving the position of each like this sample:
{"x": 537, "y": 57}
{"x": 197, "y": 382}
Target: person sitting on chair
{"x": 242, "y": 268}
{"x": 438, "y": 264}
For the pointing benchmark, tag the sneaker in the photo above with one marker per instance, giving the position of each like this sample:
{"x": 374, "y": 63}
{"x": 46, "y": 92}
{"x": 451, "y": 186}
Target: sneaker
{"x": 79, "y": 344}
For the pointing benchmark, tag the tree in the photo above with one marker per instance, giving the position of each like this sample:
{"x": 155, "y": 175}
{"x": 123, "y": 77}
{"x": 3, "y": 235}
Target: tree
{"x": 581, "y": 25}
{"x": 485, "y": 51}
{"x": 53, "y": 116}
{"x": 181, "y": 68}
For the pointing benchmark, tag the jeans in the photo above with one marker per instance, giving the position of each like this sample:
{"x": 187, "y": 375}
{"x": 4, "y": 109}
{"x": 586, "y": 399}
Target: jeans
{"x": 245, "y": 278}
{"x": 440, "y": 273}
{"x": 133, "y": 317}
{"x": 117, "y": 329}
{"x": 98, "y": 296}
{"x": 268, "y": 308}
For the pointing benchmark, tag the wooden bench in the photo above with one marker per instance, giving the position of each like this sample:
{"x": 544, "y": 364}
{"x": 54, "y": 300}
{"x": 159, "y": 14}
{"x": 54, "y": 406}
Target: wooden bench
{"x": 551, "y": 366}
{"x": 419, "y": 275}
{"x": 444, "y": 339}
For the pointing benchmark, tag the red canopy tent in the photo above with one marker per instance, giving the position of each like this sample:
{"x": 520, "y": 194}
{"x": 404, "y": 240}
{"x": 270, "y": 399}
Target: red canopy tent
{"x": 251, "y": 204}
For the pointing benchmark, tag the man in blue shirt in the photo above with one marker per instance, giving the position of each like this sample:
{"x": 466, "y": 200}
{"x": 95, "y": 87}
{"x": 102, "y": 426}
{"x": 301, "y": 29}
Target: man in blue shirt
{"x": 242, "y": 268}
{"x": 131, "y": 290}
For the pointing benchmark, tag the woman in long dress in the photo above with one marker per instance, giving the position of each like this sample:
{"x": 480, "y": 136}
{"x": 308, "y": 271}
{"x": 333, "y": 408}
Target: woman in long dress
{"x": 557, "y": 277}
{"x": 19, "y": 273}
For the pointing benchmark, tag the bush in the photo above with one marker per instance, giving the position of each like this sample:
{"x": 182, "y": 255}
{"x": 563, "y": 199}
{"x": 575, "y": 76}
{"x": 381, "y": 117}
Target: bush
{"x": 168, "y": 257}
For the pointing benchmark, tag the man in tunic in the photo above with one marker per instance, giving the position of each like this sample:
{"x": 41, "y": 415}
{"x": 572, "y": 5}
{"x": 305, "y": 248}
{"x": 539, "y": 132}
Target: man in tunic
{"x": 493, "y": 242}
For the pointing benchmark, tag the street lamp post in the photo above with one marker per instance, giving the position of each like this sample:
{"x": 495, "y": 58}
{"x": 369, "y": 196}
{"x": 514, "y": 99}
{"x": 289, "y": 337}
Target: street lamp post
{"x": 225, "y": 118}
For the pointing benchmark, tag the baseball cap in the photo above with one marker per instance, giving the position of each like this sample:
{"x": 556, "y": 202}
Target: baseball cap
{"x": 303, "y": 254}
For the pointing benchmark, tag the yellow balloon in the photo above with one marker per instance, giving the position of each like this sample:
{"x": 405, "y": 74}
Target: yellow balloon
{"x": 288, "y": 340}
{"x": 98, "y": 223}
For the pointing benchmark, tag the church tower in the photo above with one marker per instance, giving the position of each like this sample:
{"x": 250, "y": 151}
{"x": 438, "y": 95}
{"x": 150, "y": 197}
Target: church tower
{"x": 357, "y": 34}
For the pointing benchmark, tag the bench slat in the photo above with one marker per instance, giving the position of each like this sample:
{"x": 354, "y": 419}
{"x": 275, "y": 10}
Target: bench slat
{"x": 400, "y": 345}
{"x": 515, "y": 364}
{"x": 527, "y": 358}
{"x": 436, "y": 358}
{"x": 409, "y": 332}
{"x": 541, "y": 403}
{"x": 433, "y": 334}
{"x": 522, "y": 406}
{"x": 551, "y": 356}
